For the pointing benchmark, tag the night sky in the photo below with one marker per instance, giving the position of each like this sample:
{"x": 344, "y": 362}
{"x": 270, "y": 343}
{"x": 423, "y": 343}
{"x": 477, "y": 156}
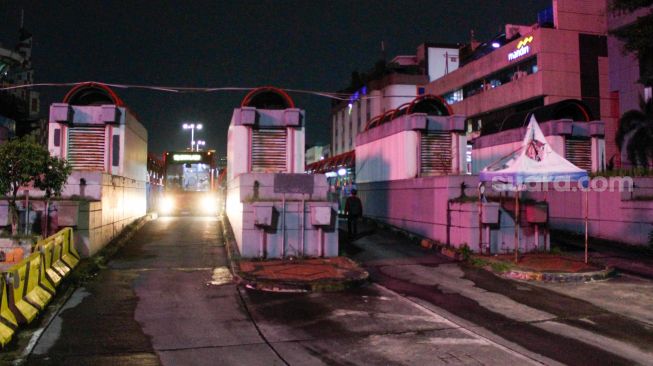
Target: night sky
{"x": 311, "y": 45}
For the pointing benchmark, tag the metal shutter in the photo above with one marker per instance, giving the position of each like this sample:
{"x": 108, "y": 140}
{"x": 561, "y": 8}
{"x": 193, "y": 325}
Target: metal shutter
{"x": 269, "y": 150}
{"x": 435, "y": 153}
{"x": 86, "y": 147}
{"x": 579, "y": 152}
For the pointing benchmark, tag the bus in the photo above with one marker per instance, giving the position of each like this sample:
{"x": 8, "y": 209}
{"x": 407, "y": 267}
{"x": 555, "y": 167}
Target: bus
{"x": 190, "y": 185}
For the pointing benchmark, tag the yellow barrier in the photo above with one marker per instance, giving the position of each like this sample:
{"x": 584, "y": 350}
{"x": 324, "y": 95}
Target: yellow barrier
{"x": 8, "y": 322}
{"x": 60, "y": 253}
{"x": 28, "y": 290}
{"x": 51, "y": 253}
{"x": 69, "y": 254}
{"x": 27, "y": 287}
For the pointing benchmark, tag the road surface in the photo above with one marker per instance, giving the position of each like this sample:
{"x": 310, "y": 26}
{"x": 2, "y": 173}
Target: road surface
{"x": 166, "y": 299}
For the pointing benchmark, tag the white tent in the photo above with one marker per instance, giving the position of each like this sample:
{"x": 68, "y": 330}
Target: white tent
{"x": 534, "y": 162}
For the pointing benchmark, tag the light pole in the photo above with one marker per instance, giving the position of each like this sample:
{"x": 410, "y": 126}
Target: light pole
{"x": 192, "y": 127}
{"x": 199, "y": 143}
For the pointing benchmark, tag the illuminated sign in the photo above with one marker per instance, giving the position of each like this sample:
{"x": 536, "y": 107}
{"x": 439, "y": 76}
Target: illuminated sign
{"x": 522, "y": 49}
{"x": 187, "y": 157}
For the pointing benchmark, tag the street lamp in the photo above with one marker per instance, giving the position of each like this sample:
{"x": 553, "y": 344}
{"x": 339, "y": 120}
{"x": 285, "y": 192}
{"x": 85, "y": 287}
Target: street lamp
{"x": 199, "y": 143}
{"x": 192, "y": 127}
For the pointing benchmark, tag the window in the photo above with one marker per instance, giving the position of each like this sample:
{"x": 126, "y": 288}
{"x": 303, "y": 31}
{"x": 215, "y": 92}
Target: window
{"x": 494, "y": 80}
{"x": 116, "y": 150}
{"x": 57, "y": 137}
{"x": 454, "y": 96}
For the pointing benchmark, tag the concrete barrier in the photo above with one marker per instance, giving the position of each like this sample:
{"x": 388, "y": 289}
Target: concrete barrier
{"x": 28, "y": 290}
{"x": 27, "y": 287}
{"x": 8, "y": 322}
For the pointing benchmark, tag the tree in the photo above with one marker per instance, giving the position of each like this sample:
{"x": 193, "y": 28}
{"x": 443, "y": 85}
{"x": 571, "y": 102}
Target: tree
{"x": 637, "y": 36}
{"x": 635, "y": 134}
{"x": 22, "y": 161}
{"x": 52, "y": 181}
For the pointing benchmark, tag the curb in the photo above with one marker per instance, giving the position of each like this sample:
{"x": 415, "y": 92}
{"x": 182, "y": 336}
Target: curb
{"x": 603, "y": 274}
{"x": 426, "y": 243}
{"x": 281, "y": 286}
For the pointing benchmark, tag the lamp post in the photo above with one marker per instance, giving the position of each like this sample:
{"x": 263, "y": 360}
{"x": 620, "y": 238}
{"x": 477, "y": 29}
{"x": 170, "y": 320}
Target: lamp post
{"x": 199, "y": 143}
{"x": 192, "y": 127}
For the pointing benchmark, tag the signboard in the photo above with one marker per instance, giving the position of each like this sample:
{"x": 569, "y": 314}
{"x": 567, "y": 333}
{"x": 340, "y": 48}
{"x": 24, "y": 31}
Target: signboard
{"x": 293, "y": 183}
{"x": 186, "y": 157}
{"x": 522, "y": 49}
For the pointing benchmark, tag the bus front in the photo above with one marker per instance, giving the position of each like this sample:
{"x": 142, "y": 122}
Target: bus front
{"x": 189, "y": 184}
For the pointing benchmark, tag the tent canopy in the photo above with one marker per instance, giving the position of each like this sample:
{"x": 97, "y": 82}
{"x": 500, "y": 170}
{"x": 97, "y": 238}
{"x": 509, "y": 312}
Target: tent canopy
{"x": 534, "y": 162}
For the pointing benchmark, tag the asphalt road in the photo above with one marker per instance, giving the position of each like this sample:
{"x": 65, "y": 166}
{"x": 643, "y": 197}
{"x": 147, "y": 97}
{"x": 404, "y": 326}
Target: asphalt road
{"x": 165, "y": 300}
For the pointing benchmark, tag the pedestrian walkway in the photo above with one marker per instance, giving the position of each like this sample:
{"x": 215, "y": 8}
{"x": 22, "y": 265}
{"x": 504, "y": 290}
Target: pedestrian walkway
{"x": 628, "y": 259}
{"x": 571, "y": 323}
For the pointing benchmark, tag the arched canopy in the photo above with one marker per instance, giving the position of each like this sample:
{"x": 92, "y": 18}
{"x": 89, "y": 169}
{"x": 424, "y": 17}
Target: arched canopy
{"x": 92, "y": 93}
{"x": 572, "y": 109}
{"x": 346, "y": 160}
{"x": 268, "y": 97}
{"x": 432, "y": 105}
{"x": 400, "y": 111}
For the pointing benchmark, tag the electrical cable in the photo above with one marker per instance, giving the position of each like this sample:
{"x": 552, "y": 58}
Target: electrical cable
{"x": 185, "y": 89}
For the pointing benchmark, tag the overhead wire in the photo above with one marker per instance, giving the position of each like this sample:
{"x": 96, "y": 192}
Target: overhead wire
{"x": 186, "y": 89}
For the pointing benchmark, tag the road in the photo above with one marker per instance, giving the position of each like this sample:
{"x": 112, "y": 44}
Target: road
{"x": 165, "y": 300}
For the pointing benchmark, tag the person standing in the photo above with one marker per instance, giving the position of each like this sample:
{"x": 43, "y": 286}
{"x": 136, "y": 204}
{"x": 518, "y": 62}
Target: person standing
{"x": 353, "y": 210}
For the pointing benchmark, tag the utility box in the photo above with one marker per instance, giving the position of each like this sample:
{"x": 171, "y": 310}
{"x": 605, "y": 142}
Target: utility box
{"x": 265, "y": 216}
{"x": 322, "y": 216}
{"x": 490, "y": 213}
{"x": 537, "y": 213}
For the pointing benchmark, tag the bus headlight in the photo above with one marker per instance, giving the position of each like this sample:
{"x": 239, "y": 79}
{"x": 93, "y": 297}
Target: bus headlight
{"x": 209, "y": 204}
{"x": 167, "y": 205}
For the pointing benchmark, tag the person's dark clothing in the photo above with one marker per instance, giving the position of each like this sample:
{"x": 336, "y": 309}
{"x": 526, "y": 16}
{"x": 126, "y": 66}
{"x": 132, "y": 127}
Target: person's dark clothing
{"x": 353, "y": 210}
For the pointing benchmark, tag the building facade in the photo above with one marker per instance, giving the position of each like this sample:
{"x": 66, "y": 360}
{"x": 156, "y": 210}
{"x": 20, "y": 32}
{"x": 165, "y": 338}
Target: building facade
{"x": 397, "y": 83}
{"x": 317, "y": 153}
{"x": 19, "y": 108}
{"x": 562, "y": 56}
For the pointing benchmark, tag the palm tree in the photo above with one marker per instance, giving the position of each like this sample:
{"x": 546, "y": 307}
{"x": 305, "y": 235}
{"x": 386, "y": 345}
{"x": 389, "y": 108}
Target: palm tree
{"x": 635, "y": 134}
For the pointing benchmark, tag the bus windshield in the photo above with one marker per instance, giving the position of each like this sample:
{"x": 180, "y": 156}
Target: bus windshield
{"x": 190, "y": 177}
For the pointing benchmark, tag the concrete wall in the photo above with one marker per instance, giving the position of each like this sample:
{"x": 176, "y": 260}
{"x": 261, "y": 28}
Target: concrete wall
{"x": 251, "y": 190}
{"x": 390, "y": 158}
{"x": 133, "y": 162}
{"x": 98, "y": 211}
{"x": 109, "y": 204}
{"x": 391, "y": 151}
{"x": 418, "y": 205}
{"x": 624, "y": 217}
{"x": 422, "y": 206}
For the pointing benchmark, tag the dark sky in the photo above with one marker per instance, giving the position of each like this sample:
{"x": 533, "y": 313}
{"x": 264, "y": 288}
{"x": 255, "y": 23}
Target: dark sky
{"x": 311, "y": 45}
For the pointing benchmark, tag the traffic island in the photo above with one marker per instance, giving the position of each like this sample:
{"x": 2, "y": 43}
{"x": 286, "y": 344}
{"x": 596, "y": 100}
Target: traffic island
{"x": 301, "y": 275}
{"x": 291, "y": 274}
{"x": 543, "y": 267}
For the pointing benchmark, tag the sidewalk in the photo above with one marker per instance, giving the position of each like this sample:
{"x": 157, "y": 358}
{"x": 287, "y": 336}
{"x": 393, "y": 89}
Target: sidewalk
{"x": 632, "y": 260}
